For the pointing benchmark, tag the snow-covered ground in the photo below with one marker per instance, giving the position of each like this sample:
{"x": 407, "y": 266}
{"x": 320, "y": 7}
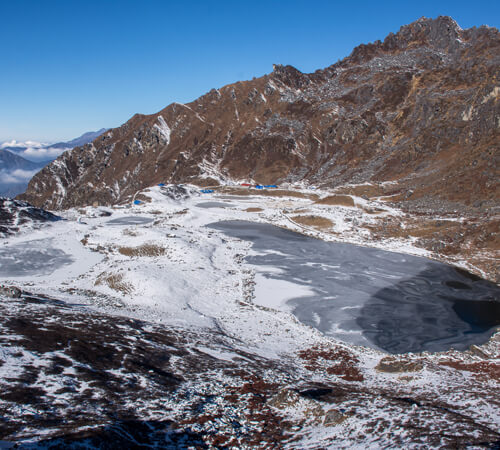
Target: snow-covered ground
{"x": 158, "y": 262}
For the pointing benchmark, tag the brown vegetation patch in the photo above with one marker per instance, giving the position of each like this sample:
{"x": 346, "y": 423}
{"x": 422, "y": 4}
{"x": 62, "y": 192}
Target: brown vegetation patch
{"x": 267, "y": 192}
{"x": 392, "y": 227}
{"x": 143, "y": 250}
{"x": 115, "y": 282}
{"x": 345, "y": 364}
{"x": 485, "y": 369}
{"x": 313, "y": 221}
{"x": 340, "y": 200}
{"x": 254, "y": 210}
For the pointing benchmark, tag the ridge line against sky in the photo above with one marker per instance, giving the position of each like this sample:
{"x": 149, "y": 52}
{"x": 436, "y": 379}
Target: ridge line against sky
{"x": 73, "y": 66}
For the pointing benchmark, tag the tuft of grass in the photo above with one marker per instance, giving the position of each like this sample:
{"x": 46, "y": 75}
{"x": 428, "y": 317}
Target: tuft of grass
{"x": 339, "y": 200}
{"x": 115, "y": 282}
{"x": 313, "y": 221}
{"x": 149, "y": 250}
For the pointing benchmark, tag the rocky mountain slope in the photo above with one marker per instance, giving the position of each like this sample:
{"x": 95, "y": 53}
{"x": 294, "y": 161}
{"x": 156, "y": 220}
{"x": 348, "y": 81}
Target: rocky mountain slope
{"x": 421, "y": 108}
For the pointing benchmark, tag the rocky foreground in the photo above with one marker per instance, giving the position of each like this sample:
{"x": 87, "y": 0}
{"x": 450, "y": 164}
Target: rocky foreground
{"x": 159, "y": 341}
{"x": 71, "y": 376}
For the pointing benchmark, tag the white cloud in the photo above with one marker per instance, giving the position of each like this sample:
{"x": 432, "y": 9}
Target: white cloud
{"x": 41, "y": 154}
{"x": 16, "y": 176}
{"x": 15, "y": 143}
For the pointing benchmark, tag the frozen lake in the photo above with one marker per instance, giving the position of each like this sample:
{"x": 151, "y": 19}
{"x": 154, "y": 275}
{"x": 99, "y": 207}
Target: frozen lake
{"x": 38, "y": 257}
{"x": 391, "y": 301}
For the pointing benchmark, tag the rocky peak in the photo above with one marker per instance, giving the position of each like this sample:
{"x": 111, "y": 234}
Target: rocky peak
{"x": 290, "y": 76}
{"x": 440, "y": 34}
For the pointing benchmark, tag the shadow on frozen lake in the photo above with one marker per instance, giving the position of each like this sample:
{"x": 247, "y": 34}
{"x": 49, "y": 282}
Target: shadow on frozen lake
{"x": 391, "y": 301}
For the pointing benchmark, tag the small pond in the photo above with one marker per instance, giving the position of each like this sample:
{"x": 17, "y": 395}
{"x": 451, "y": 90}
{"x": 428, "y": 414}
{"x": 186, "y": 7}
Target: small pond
{"x": 213, "y": 205}
{"x": 390, "y": 301}
{"x": 130, "y": 220}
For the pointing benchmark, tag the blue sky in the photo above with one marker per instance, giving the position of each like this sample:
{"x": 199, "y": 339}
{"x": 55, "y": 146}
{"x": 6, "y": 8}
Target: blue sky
{"x": 67, "y": 67}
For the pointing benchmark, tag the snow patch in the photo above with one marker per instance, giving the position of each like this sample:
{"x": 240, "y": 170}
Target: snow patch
{"x": 164, "y": 129}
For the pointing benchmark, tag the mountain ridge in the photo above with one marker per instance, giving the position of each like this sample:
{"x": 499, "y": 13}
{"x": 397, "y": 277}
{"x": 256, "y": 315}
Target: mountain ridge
{"x": 417, "y": 108}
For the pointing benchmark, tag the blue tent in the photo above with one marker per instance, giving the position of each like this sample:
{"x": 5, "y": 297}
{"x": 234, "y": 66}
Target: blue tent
{"x": 258, "y": 186}
{"x": 271, "y": 186}
{"x": 206, "y": 191}
{"x": 161, "y": 184}
{"x": 137, "y": 202}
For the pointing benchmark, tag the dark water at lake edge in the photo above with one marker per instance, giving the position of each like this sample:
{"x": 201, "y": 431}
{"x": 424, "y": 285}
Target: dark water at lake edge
{"x": 395, "y": 302}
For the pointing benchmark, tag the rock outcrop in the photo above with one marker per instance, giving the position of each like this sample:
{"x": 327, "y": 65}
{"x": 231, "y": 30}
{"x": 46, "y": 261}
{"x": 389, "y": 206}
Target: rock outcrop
{"x": 16, "y": 215}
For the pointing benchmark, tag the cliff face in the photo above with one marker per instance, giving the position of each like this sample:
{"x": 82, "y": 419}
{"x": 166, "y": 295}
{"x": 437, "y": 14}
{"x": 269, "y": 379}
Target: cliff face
{"x": 422, "y": 107}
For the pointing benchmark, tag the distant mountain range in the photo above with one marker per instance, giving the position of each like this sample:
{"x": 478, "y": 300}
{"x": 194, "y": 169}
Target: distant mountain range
{"x": 45, "y": 152}
{"x": 19, "y": 161}
{"x": 85, "y": 138}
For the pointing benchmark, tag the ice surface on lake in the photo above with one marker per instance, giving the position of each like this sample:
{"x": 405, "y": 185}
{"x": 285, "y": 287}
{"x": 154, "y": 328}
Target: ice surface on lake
{"x": 387, "y": 300}
{"x": 37, "y": 257}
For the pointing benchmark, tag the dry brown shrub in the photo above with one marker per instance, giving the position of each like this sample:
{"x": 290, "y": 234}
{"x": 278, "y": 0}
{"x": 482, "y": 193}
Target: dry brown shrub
{"x": 115, "y": 282}
{"x": 340, "y": 200}
{"x": 143, "y": 250}
{"x": 254, "y": 210}
{"x": 313, "y": 221}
